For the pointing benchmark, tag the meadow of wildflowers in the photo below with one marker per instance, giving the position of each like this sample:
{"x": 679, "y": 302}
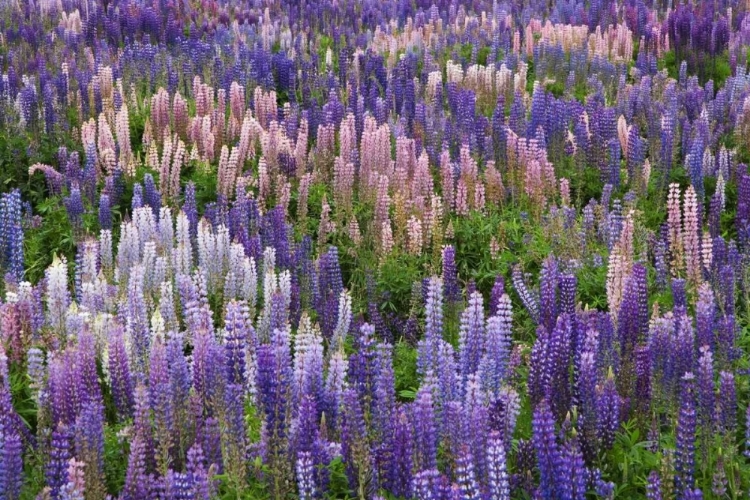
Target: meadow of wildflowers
{"x": 374, "y": 249}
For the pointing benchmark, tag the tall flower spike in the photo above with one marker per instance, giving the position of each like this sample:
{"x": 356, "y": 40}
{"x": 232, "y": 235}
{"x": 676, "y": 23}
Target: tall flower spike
{"x": 685, "y": 434}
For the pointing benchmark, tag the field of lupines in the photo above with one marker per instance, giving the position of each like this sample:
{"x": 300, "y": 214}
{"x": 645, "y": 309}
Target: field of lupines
{"x": 376, "y": 249}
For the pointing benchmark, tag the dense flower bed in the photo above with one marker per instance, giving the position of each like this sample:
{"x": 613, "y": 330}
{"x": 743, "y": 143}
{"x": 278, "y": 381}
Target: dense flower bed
{"x": 377, "y": 249}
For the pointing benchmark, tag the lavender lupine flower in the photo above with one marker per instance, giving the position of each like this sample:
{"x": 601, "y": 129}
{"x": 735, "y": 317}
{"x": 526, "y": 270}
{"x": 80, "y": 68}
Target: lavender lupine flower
{"x": 494, "y": 363}
{"x": 686, "y": 427}
{"x": 465, "y": 477}
{"x": 427, "y": 357}
{"x": 451, "y": 289}
{"x": 235, "y": 341}
{"x": 305, "y": 477}
{"x": 498, "y": 487}
{"x": 527, "y": 298}
{"x": 57, "y": 296}
{"x": 335, "y": 386}
{"x": 472, "y": 336}
{"x": 705, "y": 389}
{"x": 11, "y": 234}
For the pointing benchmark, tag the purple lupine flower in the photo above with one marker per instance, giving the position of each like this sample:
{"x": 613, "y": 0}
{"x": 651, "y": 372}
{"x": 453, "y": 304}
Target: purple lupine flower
{"x": 451, "y": 290}
{"x": 705, "y": 387}
{"x": 632, "y": 320}
{"x": 643, "y": 378}
{"x": 74, "y": 206}
{"x": 608, "y": 405}
{"x": 547, "y": 453}
{"x": 11, "y": 462}
{"x": 498, "y": 290}
{"x": 428, "y": 485}
{"x": 197, "y": 473}
{"x": 679, "y": 296}
{"x": 235, "y": 341}
{"x": 121, "y": 384}
{"x": 137, "y": 480}
{"x": 425, "y": 432}
{"x": 105, "y": 212}
{"x": 151, "y": 195}
{"x": 233, "y": 437}
{"x": 653, "y": 487}
{"x": 548, "y": 285}
{"x": 719, "y": 481}
{"x": 354, "y": 446}
{"x": 727, "y": 418}
{"x": 568, "y": 285}
{"x": 89, "y": 443}
{"x": 56, "y": 472}
{"x": 685, "y": 435}
{"x": 587, "y": 395}
{"x": 383, "y": 408}
{"x": 398, "y": 478}
{"x": 472, "y": 336}
{"x": 705, "y": 317}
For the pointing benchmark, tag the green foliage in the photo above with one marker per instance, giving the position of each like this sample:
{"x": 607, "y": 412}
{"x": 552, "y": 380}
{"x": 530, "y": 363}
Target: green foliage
{"x": 53, "y": 237}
